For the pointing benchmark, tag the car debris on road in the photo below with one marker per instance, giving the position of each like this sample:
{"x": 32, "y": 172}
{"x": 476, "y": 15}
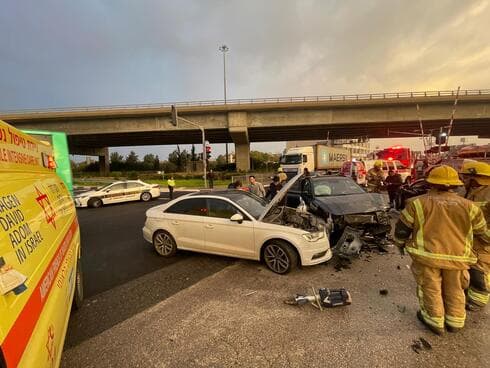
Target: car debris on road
{"x": 328, "y": 298}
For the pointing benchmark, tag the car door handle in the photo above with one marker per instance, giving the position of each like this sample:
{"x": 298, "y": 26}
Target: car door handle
{"x": 209, "y": 226}
{"x": 175, "y": 222}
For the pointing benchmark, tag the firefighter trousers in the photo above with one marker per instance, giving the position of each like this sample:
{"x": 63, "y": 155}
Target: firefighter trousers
{"x": 479, "y": 290}
{"x": 441, "y": 295}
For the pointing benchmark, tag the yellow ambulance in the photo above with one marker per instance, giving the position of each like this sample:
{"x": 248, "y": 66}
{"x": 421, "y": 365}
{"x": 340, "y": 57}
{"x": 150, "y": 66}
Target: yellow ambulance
{"x": 40, "y": 269}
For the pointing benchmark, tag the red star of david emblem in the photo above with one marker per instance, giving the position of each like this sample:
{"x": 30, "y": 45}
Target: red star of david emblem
{"x": 45, "y": 203}
{"x": 50, "y": 344}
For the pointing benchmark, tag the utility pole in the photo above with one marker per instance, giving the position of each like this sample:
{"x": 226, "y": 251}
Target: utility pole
{"x": 224, "y": 49}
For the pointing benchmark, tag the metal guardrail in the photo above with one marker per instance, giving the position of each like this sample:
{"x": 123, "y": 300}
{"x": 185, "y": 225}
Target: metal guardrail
{"x": 268, "y": 100}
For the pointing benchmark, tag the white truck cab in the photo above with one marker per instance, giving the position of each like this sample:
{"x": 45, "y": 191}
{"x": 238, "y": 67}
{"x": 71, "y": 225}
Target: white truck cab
{"x": 296, "y": 159}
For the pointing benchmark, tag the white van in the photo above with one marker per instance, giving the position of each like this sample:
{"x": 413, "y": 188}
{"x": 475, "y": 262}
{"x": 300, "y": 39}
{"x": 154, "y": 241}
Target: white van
{"x": 395, "y": 165}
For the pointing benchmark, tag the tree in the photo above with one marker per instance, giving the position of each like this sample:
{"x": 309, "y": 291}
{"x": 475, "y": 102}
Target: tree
{"x": 263, "y": 160}
{"x": 148, "y": 161}
{"x": 156, "y": 163}
{"x": 132, "y": 161}
{"x": 179, "y": 158}
{"x": 115, "y": 157}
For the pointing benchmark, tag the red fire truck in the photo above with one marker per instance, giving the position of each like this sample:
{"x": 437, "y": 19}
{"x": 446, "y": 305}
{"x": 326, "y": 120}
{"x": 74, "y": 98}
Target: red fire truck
{"x": 398, "y": 153}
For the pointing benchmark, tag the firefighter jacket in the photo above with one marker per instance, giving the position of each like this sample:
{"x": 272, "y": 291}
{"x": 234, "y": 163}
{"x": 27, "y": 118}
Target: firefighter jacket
{"x": 481, "y": 197}
{"x": 375, "y": 178}
{"x": 443, "y": 225}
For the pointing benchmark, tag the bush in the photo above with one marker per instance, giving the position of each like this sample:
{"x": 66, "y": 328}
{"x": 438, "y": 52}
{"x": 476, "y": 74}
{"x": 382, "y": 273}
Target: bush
{"x": 132, "y": 175}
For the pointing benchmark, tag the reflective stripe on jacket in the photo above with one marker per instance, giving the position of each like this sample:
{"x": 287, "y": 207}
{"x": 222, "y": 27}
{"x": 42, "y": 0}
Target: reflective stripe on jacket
{"x": 442, "y": 226}
{"x": 481, "y": 197}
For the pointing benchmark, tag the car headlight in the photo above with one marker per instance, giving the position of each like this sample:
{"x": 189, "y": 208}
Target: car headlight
{"x": 313, "y": 237}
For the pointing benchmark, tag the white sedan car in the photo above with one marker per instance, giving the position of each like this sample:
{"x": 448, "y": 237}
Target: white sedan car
{"x": 238, "y": 224}
{"x": 120, "y": 191}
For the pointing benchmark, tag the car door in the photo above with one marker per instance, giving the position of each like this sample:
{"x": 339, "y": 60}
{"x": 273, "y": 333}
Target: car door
{"x": 185, "y": 222}
{"x": 114, "y": 193}
{"x": 227, "y": 237}
{"x": 133, "y": 191}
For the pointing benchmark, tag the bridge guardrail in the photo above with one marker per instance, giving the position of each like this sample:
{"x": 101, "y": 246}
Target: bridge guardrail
{"x": 267, "y": 100}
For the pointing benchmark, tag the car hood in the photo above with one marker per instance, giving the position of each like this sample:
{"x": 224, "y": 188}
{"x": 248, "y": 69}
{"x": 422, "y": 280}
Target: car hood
{"x": 280, "y": 195}
{"x": 353, "y": 203}
{"x": 88, "y": 193}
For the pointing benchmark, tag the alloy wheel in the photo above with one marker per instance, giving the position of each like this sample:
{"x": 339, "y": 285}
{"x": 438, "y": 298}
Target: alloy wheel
{"x": 164, "y": 244}
{"x": 276, "y": 258}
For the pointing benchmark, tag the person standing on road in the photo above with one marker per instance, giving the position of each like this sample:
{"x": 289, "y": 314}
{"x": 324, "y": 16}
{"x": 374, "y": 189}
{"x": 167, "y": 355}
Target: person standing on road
{"x": 171, "y": 186}
{"x": 282, "y": 175}
{"x": 393, "y": 183}
{"x": 274, "y": 187}
{"x": 255, "y": 187}
{"x": 437, "y": 229}
{"x": 375, "y": 177}
{"x": 476, "y": 176}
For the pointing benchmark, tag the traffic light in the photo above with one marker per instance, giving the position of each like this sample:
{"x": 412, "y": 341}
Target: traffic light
{"x": 174, "y": 116}
{"x": 208, "y": 152}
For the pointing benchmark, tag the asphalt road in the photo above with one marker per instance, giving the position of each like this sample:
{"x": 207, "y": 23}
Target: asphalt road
{"x": 123, "y": 275}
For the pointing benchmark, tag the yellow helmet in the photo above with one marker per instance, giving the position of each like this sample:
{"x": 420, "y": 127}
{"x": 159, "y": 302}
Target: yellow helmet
{"x": 280, "y": 169}
{"x": 480, "y": 170}
{"x": 378, "y": 163}
{"x": 444, "y": 175}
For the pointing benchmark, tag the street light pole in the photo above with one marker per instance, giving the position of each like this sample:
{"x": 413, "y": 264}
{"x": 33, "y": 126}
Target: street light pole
{"x": 224, "y": 49}
{"x": 203, "y": 147}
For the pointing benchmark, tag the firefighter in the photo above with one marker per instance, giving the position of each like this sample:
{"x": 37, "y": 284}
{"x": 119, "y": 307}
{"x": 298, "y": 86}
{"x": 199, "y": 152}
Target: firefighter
{"x": 282, "y": 175}
{"x": 476, "y": 176}
{"x": 375, "y": 177}
{"x": 437, "y": 229}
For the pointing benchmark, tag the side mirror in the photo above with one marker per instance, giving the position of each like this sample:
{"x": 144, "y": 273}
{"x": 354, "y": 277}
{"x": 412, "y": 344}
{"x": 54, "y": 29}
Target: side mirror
{"x": 237, "y": 218}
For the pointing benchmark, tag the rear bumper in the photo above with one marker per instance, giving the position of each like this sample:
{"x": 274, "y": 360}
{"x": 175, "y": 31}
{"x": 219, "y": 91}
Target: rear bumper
{"x": 147, "y": 234}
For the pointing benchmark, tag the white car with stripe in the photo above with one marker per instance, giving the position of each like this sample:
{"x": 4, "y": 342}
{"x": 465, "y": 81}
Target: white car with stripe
{"x": 120, "y": 191}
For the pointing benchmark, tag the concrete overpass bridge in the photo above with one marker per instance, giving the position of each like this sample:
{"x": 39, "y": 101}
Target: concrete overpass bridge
{"x": 91, "y": 130}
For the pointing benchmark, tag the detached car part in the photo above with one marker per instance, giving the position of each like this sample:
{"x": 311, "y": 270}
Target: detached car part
{"x": 327, "y": 298}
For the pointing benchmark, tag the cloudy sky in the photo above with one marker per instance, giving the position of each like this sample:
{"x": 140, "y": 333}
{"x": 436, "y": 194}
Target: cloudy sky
{"x": 105, "y": 52}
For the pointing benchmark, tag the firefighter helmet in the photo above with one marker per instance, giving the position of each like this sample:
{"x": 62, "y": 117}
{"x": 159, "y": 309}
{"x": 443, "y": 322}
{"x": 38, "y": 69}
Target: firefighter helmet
{"x": 444, "y": 175}
{"x": 378, "y": 163}
{"x": 480, "y": 171}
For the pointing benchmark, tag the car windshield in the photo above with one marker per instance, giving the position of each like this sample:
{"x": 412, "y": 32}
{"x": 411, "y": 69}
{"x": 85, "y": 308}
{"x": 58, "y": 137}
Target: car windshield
{"x": 333, "y": 186}
{"x": 254, "y": 205}
{"x": 291, "y": 159}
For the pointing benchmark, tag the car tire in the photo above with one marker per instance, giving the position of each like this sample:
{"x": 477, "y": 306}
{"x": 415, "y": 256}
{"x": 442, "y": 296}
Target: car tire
{"x": 145, "y": 196}
{"x": 78, "y": 296}
{"x": 95, "y": 202}
{"x": 280, "y": 257}
{"x": 164, "y": 243}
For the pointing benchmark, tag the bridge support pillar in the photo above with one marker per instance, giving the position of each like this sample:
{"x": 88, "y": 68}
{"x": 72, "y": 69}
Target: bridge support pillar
{"x": 237, "y": 126}
{"x": 102, "y": 153}
{"x": 104, "y": 161}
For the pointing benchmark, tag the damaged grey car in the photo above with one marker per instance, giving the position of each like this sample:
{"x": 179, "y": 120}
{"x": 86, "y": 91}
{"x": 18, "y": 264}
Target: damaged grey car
{"x": 352, "y": 217}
